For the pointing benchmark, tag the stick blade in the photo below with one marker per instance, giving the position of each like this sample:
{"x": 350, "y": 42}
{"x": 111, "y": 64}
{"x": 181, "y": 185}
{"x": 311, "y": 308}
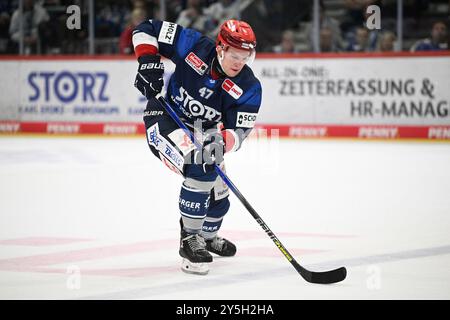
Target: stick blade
{"x": 327, "y": 277}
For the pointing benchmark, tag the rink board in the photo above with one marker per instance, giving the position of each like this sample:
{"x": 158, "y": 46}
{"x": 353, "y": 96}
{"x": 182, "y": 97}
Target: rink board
{"x": 401, "y": 95}
{"x": 282, "y": 131}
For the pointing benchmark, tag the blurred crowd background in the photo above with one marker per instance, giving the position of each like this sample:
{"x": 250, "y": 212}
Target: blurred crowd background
{"x": 281, "y": 26}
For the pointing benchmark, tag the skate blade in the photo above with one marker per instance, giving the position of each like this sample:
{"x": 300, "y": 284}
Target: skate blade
{"x": 194, "y": 268}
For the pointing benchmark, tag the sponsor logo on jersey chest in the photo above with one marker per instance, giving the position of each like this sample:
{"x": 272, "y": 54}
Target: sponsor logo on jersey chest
{"x": 195, "y": 108}
{"x": 233, "y": 89}
{"x": 196, "y": 63}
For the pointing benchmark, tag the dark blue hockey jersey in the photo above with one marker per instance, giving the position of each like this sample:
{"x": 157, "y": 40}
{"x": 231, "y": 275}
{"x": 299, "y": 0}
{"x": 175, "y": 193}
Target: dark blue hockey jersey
{"x": 192, "y": 91}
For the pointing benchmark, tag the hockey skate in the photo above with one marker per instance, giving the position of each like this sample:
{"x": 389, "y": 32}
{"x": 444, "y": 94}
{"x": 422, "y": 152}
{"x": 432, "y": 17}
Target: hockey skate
{"x": 194, "y": 253}
{"x": 221, "y": 247}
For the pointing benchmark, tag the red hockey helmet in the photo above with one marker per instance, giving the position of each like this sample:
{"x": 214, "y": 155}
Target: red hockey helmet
{"x": 237, "y": 34}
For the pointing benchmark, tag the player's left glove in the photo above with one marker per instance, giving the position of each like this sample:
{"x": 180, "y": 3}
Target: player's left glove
{"x": 213, "y": 151}
{"x": 149, "y": 79}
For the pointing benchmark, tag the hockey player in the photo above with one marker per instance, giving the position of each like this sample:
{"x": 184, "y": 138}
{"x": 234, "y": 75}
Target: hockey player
{"x": 213, "y": 86}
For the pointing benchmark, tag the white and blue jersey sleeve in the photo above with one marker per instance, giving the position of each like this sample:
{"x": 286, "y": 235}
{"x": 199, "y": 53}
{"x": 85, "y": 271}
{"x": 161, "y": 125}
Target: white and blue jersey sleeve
{"x": 171, "y": 40}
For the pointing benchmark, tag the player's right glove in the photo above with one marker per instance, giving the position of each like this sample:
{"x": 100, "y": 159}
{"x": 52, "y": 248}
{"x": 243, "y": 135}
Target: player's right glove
{"x": 149, "y": 79}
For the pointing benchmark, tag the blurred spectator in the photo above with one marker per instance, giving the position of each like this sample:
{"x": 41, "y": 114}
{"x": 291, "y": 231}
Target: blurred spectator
{"x": 150, "y": 8}
{"x": 220, "y": 12}
{"x": 329, "y": 24}
{"x": 45, "y": 30}
{"x": 140, "y": 4}
{"x": 361, "y": 41}
{"x": 438, "y": 40}
{"x": 287, "y": 44}
{"x": 173, "y": 9}
{"x": 109, "y": 19}
{"x": 386, "y": 42}
{"x": 33, "y": 18}
{"x": 192, "y": 17}
{"x": 125, "y": 43}
{"x": 327, "y": 42}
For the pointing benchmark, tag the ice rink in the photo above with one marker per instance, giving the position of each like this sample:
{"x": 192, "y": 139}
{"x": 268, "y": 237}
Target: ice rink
{"x": 97, "y": 218}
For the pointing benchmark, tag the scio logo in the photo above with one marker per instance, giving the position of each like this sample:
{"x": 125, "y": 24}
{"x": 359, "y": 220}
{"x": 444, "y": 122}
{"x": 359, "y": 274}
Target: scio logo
{"x": 196, "y": 108}
{"x": 245, "y": 119}
{"x": 152, "y": 65}
{"x": 67, "y": 86}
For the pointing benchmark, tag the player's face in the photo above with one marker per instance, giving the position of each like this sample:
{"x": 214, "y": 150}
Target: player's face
{"x": 233, "y": 60}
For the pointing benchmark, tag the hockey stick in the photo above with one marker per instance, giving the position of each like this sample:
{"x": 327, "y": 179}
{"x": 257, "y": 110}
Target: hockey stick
{"x": 325, "y": 277}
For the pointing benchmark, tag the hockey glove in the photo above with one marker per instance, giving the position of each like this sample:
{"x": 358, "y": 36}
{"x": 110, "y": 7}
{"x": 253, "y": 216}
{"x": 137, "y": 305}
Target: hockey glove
{"x": 149, "y": 79}
{"x": 212, "y": 151}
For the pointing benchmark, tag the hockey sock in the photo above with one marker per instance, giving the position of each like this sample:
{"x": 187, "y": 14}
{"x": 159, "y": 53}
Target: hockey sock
{"x": 214, "y": 218}
{"x": 193, "y": 204}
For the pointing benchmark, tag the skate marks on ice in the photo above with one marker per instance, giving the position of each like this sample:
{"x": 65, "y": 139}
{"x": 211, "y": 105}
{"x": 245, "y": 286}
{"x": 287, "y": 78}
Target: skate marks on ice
{"x": 42, "y": 262}
{"x": 240, "y": 278}
{"x": 41, "y": 241}
{"x": 220, "y": 277}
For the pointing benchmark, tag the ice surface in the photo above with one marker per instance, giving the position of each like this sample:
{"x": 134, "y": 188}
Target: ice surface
{"x": 97, "y": 218}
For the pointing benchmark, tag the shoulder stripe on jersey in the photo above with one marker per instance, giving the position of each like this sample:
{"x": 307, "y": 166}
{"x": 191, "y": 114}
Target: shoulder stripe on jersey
{"x": 144, "y": 38}
{"x": 145, "y": 49}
